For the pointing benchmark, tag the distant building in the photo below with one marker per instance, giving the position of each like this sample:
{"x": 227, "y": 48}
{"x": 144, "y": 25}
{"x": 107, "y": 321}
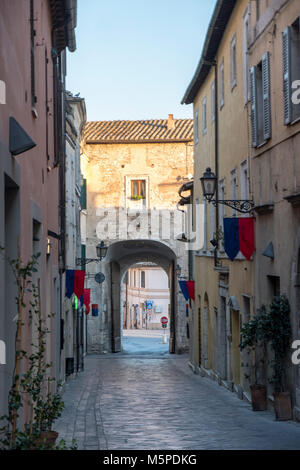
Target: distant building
{"x": 134, "y": 170}
{"x": 74, "y": 320}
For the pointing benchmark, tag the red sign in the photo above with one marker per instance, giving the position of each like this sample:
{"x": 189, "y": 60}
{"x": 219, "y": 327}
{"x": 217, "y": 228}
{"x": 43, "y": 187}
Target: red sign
{"x": 164, "y": 320}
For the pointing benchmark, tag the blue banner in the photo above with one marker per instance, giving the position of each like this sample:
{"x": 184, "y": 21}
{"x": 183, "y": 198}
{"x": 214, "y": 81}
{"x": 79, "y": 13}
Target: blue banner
{"x": 231, "y": 237}
{"x": 184, "y": 289}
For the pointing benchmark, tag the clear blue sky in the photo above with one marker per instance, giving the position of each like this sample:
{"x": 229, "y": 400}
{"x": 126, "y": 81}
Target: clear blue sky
{"x": 135, "y": 58}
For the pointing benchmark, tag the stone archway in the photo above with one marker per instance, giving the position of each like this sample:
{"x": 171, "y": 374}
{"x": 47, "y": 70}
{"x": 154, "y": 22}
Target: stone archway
{"x": 120, "y": 257}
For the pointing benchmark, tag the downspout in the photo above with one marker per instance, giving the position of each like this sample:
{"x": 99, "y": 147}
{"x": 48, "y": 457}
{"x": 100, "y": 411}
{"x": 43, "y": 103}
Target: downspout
{"x": 215, "y": 65}
{"x": 216, "y": 161}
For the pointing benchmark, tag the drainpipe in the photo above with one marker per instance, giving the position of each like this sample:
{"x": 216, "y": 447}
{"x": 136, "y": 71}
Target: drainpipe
{"x": 216, "y": 159}
{"x": 215, "y": 65}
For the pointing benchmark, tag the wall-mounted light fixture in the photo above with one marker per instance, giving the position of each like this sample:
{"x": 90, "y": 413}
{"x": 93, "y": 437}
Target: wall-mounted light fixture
{"x": 48, "y": 248}
{"x": 209, "y": 184}
{"x": 101, "y": 250}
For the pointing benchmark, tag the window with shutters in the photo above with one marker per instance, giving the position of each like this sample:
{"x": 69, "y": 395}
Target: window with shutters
{"x": 260, "y": 96}
{"x": 233, "y": 71}
{"x": 212, "y": 101}
{"x": 257, "y": 9}
{"x": 143, "y": 279}
{"x": 291, "y": 70}
{"x": 222, "y": 214}
{"x": 212, "y": 223}
{"x": 222, "y": 84}
{"x": 196, "y": 127}
{"x": 138, "y": 189}
{"x": 246, "y": 42}
{"x": 204, "y": 116}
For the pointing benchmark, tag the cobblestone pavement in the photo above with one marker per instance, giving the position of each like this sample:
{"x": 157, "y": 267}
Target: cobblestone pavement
{"x": 145, "y": 342}
{"x": 156, "y": 402}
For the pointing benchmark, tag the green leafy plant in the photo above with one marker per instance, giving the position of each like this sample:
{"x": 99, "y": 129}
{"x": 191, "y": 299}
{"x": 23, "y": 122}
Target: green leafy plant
{"x": 34, "y": 386}
{"x": 270, "y": 327}
{"x": 279, "y": 337}
{"x": 253, "y": 336}
{"x": 137, "y": 198}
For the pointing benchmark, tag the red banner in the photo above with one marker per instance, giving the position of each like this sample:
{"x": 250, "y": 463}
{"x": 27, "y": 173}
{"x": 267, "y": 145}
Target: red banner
{"x": 246, "y": 236}
{"x": 79, "y": 283}
{"x": 191, "y": 289}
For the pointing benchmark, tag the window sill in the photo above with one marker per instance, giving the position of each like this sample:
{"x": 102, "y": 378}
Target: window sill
{"x": 294, "y": 121}
{"x": 233, "y": 85}
{"x": 262, "y": 144}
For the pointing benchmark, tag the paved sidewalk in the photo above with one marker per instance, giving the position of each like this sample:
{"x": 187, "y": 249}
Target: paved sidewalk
{"x": 146, "y": 402}
{"x": 146, "y": 342}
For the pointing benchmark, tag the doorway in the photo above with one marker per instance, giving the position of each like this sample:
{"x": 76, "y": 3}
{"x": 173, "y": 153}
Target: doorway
{"x": 145, "y": 302}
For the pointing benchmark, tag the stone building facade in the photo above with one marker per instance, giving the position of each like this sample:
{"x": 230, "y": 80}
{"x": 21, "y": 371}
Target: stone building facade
{"x": 254, "y": 49}
{"x": 134, "y": 170}
{"x": 34, "y": 37}
{"x": 73, "y": 317}
{"x": 224, "y": 295}
{"x": 146, "y": 297}
{"x": 275, "y": 35}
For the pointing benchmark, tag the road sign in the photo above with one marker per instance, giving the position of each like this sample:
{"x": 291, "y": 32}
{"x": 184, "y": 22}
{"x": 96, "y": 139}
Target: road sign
{"x": 99, "y": 277}
{"x": 164, "y": 320}
{"x": 149, "y": 304}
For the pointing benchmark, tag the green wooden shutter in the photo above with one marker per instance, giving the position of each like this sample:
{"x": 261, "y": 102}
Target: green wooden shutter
{"x": 267, "y": 128}
{"x": 254, "y": 113}
{"x": 83, "y": 194}
{"x": 286, "y": 56}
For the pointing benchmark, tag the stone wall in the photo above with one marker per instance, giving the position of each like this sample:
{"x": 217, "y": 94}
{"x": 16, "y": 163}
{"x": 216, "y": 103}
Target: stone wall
{"x": 109, "y": 169}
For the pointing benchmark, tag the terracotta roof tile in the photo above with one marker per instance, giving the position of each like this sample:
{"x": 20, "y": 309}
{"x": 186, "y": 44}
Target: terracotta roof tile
{"x": 155, "y": 130}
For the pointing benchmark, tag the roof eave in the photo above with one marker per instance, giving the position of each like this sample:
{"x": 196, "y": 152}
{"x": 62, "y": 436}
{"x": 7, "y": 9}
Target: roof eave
{"x": 210, "y": 48}
{"x": 141, "y": 141}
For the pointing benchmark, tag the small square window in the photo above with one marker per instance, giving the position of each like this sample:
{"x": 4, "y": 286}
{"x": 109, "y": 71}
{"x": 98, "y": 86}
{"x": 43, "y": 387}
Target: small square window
{"x": 233, "y": 67}
{"x": 138, "y": 189}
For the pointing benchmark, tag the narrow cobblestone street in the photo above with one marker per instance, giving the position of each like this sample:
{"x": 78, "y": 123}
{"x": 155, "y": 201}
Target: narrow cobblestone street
{"x": 130, "y": 401}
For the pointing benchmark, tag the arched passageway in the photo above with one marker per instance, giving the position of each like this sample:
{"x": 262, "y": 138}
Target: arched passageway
{"x": 123, "y": 255}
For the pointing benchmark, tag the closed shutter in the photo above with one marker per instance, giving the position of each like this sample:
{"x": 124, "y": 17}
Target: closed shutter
{"x": 286, "y": 56}
{"x": 267, "y": 129}
{"x": 196, "y": 124}
{"x": 254, "y": 114}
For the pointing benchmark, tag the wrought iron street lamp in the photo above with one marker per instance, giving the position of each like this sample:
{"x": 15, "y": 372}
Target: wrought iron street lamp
{"x": 209, "y": 183}
{"x": 101, "y": 250}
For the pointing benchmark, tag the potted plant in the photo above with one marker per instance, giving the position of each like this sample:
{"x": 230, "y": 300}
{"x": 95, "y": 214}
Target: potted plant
{"x": 47, "y": 411}
{"x": 31, "y": 384}
{"x": 279, "y": 337}
{"x": 136, "y": 198}
{"x": 253, "y": 338}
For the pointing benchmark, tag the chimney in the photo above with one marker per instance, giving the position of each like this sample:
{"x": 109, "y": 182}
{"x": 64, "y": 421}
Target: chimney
{"x": 171, "y": 122}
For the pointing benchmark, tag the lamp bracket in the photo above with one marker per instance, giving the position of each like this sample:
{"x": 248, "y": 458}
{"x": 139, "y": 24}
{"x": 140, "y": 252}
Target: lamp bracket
{"x": 243, "y": 206}
{"x": 84, "y": 261}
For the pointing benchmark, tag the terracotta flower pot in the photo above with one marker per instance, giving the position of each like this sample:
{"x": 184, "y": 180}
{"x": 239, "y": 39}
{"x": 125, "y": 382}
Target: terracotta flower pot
{"x": 47, "y": 439}
{"x": 258, "y": 397}
{"x": 282, "y": 406}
